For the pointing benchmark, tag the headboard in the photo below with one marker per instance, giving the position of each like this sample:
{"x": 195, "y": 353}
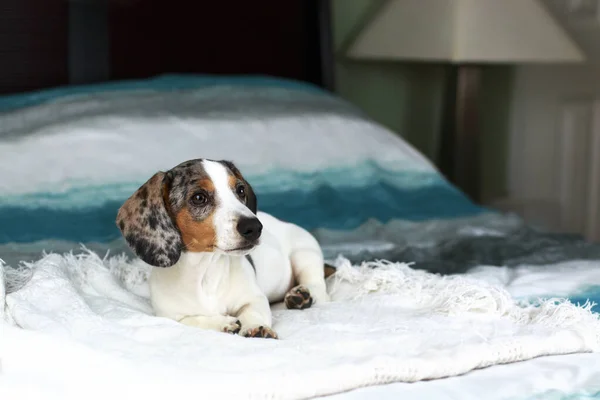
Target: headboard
{"x": 47, "y": 43}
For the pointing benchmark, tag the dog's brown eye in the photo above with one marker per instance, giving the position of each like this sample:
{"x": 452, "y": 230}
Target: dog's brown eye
{"x": 241, "y": 191}
{"x": 199, "y": 199}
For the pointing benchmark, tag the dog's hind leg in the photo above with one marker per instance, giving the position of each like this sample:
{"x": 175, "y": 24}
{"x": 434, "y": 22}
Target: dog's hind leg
{"x": 309, "y": 274}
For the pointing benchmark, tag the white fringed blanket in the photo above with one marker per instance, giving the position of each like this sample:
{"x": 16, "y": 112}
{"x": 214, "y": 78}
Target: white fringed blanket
{"x": 89, "y": 332}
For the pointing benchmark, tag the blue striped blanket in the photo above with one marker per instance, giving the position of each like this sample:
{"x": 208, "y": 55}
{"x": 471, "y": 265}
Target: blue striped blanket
{"x": 70, "y": 156}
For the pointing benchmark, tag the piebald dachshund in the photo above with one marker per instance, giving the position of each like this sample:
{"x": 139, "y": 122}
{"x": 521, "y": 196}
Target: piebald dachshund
{"x": 219, "y": 263}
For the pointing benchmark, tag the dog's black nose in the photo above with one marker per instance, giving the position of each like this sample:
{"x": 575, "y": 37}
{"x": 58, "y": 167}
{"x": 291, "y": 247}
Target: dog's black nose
{"x": 249, "y": 228}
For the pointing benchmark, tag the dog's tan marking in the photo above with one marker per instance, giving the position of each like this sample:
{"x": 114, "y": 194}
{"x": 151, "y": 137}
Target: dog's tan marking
{"x": 207, "y": 185}
{"x": 250, "y": 196}
{"x": 197, "y": 236}
{"x": 236, "y": 175}
{"x": 233, "y": 180}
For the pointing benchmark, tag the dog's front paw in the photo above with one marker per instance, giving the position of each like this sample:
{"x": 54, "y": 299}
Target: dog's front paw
{"x": 260, "y": 332}
{"x": 233, "y": 326}
{"x": 298, "y": 298}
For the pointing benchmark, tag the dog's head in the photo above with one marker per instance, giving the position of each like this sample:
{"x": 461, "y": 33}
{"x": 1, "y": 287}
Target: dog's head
{"x": 198, "y": 206}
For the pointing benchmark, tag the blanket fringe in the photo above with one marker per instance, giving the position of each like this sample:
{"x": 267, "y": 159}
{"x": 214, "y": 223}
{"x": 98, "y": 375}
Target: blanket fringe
{"x": 132, "y": 274}
{"x": 447, "y": 295}
{"x": 458, "y": 294}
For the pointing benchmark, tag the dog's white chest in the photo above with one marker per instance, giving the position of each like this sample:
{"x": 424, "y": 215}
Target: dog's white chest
{"x": 212, "y": 285}
{"x": 195, "y": 286}
{"x": 273, "y": 269}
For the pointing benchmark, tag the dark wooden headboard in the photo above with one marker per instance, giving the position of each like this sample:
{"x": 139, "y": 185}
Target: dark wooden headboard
{"x": 47, "y": 43}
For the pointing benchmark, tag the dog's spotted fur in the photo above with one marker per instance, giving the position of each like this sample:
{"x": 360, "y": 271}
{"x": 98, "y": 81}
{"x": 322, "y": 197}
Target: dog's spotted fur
{"x": 147, "y": 226}
{"x": 158, "y": 222}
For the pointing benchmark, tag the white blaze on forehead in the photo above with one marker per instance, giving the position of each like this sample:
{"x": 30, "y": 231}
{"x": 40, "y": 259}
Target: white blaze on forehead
{"x": 219, "y": 175}
{"x": 229, "y": 208}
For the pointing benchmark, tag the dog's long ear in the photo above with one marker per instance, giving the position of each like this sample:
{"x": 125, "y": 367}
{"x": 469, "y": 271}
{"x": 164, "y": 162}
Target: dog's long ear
{"x": 251, "y": 197}
{"x": 147, "y": 226}
{"x": 251, "y": 202}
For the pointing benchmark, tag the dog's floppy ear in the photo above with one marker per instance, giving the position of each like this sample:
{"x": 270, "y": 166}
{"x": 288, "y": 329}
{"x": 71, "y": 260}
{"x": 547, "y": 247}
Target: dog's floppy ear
{"x": 146, "y": 224}
{"x": 251, "y": 201}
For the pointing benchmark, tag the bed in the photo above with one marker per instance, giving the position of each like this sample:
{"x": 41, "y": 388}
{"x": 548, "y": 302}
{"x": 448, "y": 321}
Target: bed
{"x": 420, "y": 264}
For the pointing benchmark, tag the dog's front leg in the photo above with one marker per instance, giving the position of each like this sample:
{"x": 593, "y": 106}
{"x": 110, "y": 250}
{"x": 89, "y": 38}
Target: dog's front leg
{"x": 221, "y": 323}
{"x": 255, "y": 316}
{"x": 309, "y": 274}
{"x": 249, "y": 305}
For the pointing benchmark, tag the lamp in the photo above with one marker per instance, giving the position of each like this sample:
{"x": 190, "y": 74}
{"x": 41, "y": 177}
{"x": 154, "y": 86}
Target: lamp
{"x": 465, "y": 34}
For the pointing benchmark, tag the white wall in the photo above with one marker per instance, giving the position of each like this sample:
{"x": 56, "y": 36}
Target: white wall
{"x": 554, "y": 159}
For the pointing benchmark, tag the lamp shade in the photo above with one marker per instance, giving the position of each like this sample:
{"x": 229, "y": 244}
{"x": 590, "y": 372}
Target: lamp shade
{"x": 465, "y": 31}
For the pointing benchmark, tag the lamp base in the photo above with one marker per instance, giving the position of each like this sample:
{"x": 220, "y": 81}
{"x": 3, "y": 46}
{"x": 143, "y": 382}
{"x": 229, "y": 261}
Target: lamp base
{"x": 459, "y": 150}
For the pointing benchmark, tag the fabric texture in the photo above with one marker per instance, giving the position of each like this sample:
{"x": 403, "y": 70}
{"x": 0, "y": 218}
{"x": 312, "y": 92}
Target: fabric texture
{"x": 383, "y": 326}
{"x": 71, "y": 156}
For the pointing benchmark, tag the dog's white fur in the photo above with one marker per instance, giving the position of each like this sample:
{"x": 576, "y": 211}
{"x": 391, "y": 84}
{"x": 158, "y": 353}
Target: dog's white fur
{"x": 214, "y": 290}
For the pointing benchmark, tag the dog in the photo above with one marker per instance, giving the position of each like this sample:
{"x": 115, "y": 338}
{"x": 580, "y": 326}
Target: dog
{"x": 219, "y": 263}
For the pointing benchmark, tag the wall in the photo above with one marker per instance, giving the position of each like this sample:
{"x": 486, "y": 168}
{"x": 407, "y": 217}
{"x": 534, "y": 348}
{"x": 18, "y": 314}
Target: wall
{"x": 554, "y": 153}
{"x": 555, "y": 135}
{"x": 403, "y": 97}
{"x": 406, "y": 97}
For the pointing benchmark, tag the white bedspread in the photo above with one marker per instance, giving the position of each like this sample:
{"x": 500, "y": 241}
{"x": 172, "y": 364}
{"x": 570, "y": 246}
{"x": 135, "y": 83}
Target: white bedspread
{"x": 89, "y": 334}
